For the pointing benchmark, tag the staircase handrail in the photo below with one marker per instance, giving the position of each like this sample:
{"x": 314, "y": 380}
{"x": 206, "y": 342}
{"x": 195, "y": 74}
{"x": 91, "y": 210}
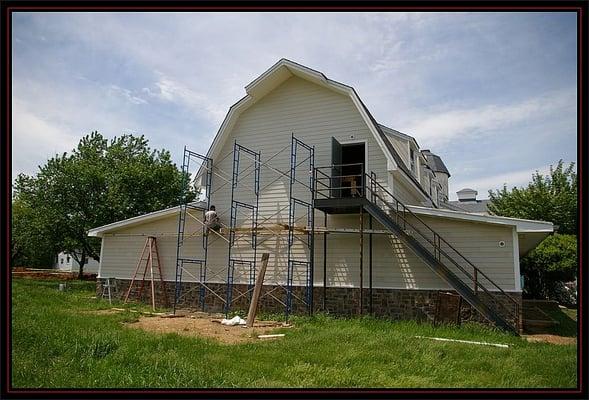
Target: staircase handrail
{"x": 373, "y": 181}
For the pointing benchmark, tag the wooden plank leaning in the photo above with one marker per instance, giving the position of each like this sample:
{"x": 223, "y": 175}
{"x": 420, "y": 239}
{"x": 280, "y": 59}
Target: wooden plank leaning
{"x": 251, "y": 315}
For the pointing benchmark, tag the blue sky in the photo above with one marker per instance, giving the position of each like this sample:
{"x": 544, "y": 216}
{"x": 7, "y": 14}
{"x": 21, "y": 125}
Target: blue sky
{"x": 494, "y": 94}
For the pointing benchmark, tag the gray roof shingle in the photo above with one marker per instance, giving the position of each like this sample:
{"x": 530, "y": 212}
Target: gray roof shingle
{"x": 478, "y": 206}
{"x": 435, "y": 162}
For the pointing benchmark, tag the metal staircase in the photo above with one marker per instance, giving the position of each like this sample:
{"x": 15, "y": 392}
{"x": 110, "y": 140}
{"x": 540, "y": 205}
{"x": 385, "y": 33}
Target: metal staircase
{"x": 455, "y": 269}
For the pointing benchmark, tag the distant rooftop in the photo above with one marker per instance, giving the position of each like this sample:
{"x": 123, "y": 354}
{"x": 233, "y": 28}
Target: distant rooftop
{"x": 476, "y": 207}
{"x": 467, "y": 201}
{"x": 435, "y": 162}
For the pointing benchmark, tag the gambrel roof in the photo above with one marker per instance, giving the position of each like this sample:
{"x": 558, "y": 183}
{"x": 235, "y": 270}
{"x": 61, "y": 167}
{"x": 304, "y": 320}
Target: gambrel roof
{"x": 283, "y": 70}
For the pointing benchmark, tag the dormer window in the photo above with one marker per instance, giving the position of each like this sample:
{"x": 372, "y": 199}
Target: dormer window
{"x": 412, "y": 161}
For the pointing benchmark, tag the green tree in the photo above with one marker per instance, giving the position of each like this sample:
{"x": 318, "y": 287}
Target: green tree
{"x": 29, "y": 245}
{"x": 547, "y": 198}
{"x": 98, "y": 183}
{"x": 553, "y": 261}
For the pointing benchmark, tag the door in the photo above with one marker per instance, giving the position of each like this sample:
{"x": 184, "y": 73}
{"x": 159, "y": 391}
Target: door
{"x": 336, "y": 170}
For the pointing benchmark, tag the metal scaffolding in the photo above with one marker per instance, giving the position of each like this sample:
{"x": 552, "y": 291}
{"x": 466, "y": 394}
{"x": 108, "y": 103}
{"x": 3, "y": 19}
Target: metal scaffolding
{"x": 295, "y": 236}
{"x": 234, "y": 235}
{"x": 186, "y": 264}
{"x": 245, "y": 225}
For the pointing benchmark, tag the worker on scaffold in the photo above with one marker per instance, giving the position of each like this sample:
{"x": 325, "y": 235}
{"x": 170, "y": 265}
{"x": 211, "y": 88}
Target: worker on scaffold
{"x": 212, "y": 220}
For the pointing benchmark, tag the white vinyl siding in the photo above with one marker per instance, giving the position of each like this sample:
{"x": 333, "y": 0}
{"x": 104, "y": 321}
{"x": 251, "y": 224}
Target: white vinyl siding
{"x": 314, "y": 115}
{"x": 394, "y": 265}
{"x": 405, "y": 194}
{"x": 402, "y": 148}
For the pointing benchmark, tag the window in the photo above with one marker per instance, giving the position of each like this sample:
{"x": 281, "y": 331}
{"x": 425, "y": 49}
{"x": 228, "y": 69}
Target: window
{"x": 68, "y": 259}
{"x": 61, "y": 260}
{"x": 412, "y": 160}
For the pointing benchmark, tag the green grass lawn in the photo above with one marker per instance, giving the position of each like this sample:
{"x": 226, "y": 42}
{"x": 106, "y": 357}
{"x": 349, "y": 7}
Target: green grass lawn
{"x": 57, "y": 344}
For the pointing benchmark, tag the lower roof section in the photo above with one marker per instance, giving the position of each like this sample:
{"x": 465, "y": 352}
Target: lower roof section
{"x": 149, "y": 217}
{"x": 522, "y": 225}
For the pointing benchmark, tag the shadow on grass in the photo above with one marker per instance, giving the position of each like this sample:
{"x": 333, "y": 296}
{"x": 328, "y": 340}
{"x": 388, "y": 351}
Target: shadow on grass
{"x": 567, "y": 322}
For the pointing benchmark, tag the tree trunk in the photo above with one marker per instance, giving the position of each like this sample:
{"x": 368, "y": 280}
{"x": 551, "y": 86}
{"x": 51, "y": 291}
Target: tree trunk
{"x": 82, "y": 262}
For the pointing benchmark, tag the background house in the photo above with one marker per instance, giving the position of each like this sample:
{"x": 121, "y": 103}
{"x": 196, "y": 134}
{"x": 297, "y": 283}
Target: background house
{"x": 65, "y": 262}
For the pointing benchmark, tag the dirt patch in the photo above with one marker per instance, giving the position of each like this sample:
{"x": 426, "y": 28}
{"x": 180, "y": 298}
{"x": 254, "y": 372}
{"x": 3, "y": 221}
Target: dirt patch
{"x": 554, "y": 339}
{"x": 47, "y": 274}
{"x": 205, "y": 326}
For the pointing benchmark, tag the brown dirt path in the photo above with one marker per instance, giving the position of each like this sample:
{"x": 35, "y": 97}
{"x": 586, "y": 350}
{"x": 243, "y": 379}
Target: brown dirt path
{"x": 554, "y": 339}
{"x": 203, "y": 326}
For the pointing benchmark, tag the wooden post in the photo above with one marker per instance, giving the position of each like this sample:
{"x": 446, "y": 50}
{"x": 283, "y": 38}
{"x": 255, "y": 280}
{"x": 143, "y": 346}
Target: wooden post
{"x": 151, "y": 273}
{"x": 325, "y": 264}
{"x": 361, "y": 258}
{"x": 251, "y": 315}
{"x": 370, "y": 265}
{"x": 159, "y": 267}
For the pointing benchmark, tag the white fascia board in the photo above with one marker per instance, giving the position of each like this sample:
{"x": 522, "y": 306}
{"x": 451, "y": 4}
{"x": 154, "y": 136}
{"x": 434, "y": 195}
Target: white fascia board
{"x": 293, "y": 69}
{"x": 401, "y": 135}
{"x": 98, "y": 232}
{"x": 250, "y": 86}
{"x": 101, "y": 230}
{"x": 522, "y": 225}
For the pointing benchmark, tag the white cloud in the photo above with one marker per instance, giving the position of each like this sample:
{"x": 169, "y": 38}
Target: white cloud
{"x": 440, "y": 128}
{"x": 34, "y": 139}
{"x": 169, "y": 90}
{"x": 53, "y": 123}
{"x": 126, "y": 94}
{"x": 483, "y": 184}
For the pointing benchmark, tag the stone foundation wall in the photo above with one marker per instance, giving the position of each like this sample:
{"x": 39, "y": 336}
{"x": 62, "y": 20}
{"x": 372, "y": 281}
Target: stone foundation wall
{"x": 387, "y": 303}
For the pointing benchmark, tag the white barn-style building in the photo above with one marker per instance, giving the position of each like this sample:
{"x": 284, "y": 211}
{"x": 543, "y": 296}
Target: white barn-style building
{"x": 66, "y": 263}
{"x": 361, "y": 218}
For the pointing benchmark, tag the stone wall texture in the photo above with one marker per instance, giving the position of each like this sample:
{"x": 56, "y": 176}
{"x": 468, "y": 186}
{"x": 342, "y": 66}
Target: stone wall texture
{"x": 398, "y": 304}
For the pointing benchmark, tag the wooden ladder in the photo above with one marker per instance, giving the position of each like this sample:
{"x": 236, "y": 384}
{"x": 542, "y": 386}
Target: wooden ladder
{"x": 152, "y": 257}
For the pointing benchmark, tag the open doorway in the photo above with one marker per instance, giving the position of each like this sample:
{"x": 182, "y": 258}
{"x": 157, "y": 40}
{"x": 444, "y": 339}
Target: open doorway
{"x": 352, "y": 159}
